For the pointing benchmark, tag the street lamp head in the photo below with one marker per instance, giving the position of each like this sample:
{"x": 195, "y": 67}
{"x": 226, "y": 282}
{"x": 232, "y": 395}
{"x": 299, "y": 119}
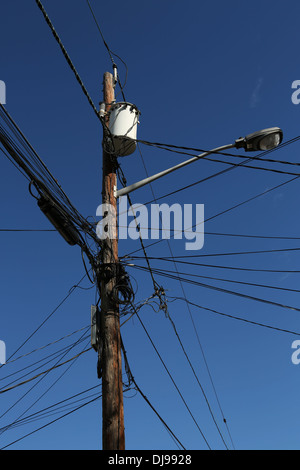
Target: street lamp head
{"x": 266, "y": 139}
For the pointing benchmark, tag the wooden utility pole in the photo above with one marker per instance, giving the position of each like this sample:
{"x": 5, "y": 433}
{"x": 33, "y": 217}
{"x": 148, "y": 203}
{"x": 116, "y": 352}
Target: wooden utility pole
{"x": 113, "y": 437}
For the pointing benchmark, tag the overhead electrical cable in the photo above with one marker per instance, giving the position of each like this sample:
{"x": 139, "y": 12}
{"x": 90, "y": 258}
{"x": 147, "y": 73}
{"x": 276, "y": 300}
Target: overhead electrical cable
{"x": 42, "y": 376}
{"x": 227, "y": 291}
{"x": 217, "y": 174}
{"x": 45, "y": 411}
{"x": 42, "y": 373}
{"x": 245, "y": 320}
{"x": 71, "y": 363}
{"x": 260, "y": 157}
{"x": 172, "y": 379}
{"x": 251, "y": 284}
{"x": 132, "y": 379}
{"x": 195, "y": 330}
{"x": 267, "y": 191}
{"x": 42, "y": 362}
{"x": 20, "y": 150}
{"x": 46, "y": 319}
{"x": 47, "y": 345}
{"x": 67, "y": 57}
{"x": 109, "y": 51}
{"x": 234, "y": 253}
{"x": 48, "y": 424}
{"x": 234, "y": 268}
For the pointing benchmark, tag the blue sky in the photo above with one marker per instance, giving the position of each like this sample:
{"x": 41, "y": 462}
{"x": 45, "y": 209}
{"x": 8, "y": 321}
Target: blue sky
{"x": 202, "y": 74}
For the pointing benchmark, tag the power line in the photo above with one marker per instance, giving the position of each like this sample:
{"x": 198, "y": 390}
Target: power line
{"x": 47, "y": 345}
{"x": 195, "y": 330}
{"x": 169, "y": 374}
{"x": 233, "y": 253}
{"x": 71, "y": 363}
{"x": 219, "y": 213}
{"x": 47, "y": 318}
{"x": 67, "y": 57}
{"x": 245, "y": 320}
{"x": 160, "y": 229}
{"x": 44, "y": 361}
{"x": 218, "y": 174}
{"x": 260, "y": 157}
{"x": 45, "y": 411}
{"x": 132, "y": 379}
{"x": 252, "y": 284}
{"x": 51, "y": 422}
{"x": 24, "y": 155}
{"x": 227, "y": 291}
{"x": 109, "y": 51}
{"x": 236, "y": 268}
{"x": 197, "y": 379}
{"x": 42, "y": 373}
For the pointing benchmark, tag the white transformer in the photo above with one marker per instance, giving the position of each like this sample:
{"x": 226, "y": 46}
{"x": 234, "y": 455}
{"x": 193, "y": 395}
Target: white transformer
{"x": 123, "y": 121}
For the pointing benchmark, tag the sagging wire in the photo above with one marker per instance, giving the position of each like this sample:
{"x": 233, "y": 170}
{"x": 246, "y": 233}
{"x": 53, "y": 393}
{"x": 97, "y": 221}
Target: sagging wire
{"x": 158, "y": 290}
{"x": 131, "y": 380}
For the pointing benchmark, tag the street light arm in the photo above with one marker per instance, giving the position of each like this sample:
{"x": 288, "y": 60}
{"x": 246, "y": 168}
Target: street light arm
{"x": 139, "y": 184}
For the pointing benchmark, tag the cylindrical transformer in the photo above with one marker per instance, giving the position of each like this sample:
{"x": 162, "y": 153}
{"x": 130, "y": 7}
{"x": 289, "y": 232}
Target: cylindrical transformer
{"x": 123, "y": 121}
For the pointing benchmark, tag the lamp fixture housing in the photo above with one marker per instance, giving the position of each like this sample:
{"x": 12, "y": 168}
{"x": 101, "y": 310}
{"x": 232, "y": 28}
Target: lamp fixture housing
{"x": 266, "y": 139}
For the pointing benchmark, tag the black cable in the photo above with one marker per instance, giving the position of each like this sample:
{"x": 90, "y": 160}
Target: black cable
{"x": 157, "y": 414}
{"x": 47, "y": 345}
{"x": 45, "y": 360}
{"x": 197, "y": 379}
{"x": 42, "y": 412}
{"x": 194, "y": 326}
{"x": 252, "y": 284}
{"x": 132, "y": 379}
{"x": 109, "y": 51}
{"x": 233, "y": 253}
{"x": 227, "y": 291}
{"x": 42, "y": 373}
{"x": 245, "y": 320}
{"x": 243, "y": 235}
{"x": 71, "y": 363}
{"x": 236, "y": 268}
{"x": 42, "y": 415}
{"x": 169, "y": 374}
{"x": 260, "y": 157}
{"x": 219, "y": 234}
{"x": 48, "y": 424}
{"x": 217, "y": 174}
{"x": 222, "y": 212}
{"x": 46, "y": 319}
{"x": 21, "y": 151}
{"x": 67, "y": 57}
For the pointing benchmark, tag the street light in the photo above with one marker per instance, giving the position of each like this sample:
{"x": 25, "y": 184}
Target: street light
{"x": 265, "y": 139}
